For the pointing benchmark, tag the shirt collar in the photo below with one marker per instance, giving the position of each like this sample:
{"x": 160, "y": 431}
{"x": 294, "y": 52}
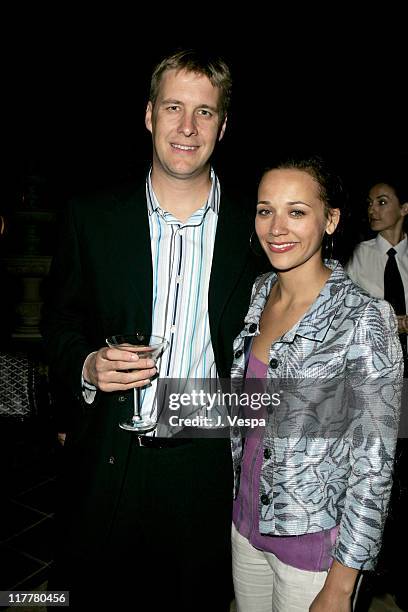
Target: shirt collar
{"x": 316, "y": 322}
{"x": 383, "y": 245}
{"x": 318, "y": 319}
{"x": 213, "y": 201}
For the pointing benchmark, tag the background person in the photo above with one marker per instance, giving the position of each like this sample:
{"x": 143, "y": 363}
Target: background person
{"x": 380, "y": 266}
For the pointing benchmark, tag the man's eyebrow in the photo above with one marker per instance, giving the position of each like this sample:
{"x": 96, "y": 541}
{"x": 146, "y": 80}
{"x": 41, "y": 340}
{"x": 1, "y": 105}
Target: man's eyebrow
{"x": 213, "y": 108}
{"x": 171, "y": 101}
{"x": 181, "y": 103}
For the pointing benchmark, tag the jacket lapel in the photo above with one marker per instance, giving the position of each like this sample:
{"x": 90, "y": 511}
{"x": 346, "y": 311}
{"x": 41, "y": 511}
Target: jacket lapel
{"x": 132, "y": 259}
{"x": 231, "y": 255}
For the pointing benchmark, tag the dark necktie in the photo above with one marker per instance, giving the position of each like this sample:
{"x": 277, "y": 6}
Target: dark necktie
{"x": 393, "y": 288}
{"x": 394, "y": 294}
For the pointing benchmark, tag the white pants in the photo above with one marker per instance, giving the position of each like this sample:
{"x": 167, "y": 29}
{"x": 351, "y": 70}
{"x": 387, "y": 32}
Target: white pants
{"x": 264, "y": 584}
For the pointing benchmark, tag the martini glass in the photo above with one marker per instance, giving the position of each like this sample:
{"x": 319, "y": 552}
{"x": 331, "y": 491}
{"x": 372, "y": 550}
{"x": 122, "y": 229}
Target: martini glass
{"x": 146, "y": 346}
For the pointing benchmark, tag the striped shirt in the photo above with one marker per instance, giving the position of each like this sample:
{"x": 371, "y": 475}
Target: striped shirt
{"x": 182, "y": 258}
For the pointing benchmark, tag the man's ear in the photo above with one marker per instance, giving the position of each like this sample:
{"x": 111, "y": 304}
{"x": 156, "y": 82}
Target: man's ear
{"x": 148, "y": 116}
{"x": 222, "y": 130}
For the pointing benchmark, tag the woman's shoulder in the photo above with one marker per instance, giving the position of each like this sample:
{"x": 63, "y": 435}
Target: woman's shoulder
{"x": 369, "y": 309}
{"x": 361, "y": 295}
{"x": 364, "y": 248}
{"x": 367, "y": 244}
{"x": 354, "y": 299}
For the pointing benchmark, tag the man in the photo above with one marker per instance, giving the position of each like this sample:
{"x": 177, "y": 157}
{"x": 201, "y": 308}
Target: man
{"x": 144, "y": 519}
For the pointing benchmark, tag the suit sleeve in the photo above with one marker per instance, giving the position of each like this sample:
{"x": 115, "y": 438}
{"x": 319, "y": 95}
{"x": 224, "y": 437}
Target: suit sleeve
{"x": 64, "y": 314}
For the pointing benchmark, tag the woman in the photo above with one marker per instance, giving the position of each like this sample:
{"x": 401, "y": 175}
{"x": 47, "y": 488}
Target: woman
{"x": 371, "y": 268}
{"x": 309, "y": 509}
{"x": 387, "y": 208}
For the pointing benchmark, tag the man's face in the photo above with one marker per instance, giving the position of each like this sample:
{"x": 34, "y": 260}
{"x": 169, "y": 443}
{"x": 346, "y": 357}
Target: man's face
{"x": 184, "y": 123}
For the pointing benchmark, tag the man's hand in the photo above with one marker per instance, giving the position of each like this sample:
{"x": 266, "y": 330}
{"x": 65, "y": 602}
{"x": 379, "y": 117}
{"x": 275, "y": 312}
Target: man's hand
{"x": 112, "y": 369}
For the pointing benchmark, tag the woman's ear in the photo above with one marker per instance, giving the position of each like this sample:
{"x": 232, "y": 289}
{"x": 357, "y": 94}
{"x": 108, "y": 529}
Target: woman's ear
{"x": 333, "y": 219}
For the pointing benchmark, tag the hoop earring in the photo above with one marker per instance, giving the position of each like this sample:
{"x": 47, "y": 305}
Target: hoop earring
{"x": 256, "y": 251}
{"x": 328, "y": 248}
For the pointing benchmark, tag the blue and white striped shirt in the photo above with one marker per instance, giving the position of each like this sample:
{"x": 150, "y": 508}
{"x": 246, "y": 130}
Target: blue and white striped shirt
{"x": 182, "y": 258}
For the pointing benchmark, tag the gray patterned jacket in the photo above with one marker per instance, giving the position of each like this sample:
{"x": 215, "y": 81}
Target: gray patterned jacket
{"x": 344, "y": 358}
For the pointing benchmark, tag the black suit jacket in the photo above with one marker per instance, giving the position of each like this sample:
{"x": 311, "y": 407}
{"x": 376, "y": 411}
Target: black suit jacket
{"x": 101, "y": 284}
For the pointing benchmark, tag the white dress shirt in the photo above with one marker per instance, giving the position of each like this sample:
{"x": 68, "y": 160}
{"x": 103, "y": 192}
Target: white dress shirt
{"x": 366, "y": 267}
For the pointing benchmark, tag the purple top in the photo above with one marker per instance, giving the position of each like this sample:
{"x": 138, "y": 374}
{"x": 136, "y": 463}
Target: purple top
{"x": 311, "y": 551}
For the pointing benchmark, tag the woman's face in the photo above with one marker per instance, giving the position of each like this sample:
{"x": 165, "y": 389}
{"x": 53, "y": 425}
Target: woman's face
{"x": 290, "y": 219}
{"x": 385, "y": 211}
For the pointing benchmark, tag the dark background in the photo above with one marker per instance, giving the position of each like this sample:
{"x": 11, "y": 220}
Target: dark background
{"x": 80, "y": 85}
{"x": 74, "y": 85}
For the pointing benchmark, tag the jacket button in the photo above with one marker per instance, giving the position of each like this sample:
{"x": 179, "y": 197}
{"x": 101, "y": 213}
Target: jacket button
{"x": 267, "y": 453}
{"x": 274, "y": 363}
{"x": 111, "y": 460}
{"x": 264, "y": 499}
{"x": 238, "y": 354}
{"x": 122, "y": 398}
{"x": 252, "y": 328}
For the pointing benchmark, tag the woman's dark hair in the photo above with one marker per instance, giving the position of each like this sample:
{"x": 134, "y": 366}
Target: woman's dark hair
{"x": 394, "y": 175}
{"x": 398, "y": 184}
{"x": 331, "y": 188}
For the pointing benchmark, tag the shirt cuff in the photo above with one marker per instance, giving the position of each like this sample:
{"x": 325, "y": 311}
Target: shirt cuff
{"x": 88, "y": 390}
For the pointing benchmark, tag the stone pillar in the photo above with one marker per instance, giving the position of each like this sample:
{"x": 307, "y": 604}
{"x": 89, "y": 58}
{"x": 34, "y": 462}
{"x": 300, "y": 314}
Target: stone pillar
{"x": 31, "y": 270}
{"x": 30, "y": 266}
